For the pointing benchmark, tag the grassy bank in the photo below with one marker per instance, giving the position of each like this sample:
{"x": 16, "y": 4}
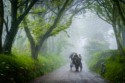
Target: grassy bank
{"x": 20, "y": 68}
{"x": 110, "y": 64}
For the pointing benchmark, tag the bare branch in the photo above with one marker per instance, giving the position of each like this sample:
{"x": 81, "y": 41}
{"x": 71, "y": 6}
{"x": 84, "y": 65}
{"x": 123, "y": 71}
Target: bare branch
{"x": 67, "y": 33}
{"x": 101, "y": 3}
{"x": 103, "y": 18}
{"x": 51, "y": 10}
{"x": 77, "y": 11}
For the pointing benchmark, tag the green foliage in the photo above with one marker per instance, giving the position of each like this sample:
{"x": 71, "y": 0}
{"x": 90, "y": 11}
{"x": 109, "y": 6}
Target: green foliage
{"x": 103, "y": 9}
{"x": 49, "y": 63}
{"x": 62, "y": 26}
{"x": 57, "y": 3}
{"x": 93, "y": 62}
{"x": 15, "y": 68}
{"x": 115, "y": 69}
{"x": 40, "y": 25}
{"x": 39, "y": 28}
{"x": 20, "y": 68}
{"x": 39, "y": 9}
{"x": 114, "y": 63}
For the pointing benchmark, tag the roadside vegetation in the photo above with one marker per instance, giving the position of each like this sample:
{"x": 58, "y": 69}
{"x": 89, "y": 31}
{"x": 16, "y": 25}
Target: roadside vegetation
{"x": 20, "y": 68}
{"x": 114, "y": 65}
{"x": 32, "y": 25}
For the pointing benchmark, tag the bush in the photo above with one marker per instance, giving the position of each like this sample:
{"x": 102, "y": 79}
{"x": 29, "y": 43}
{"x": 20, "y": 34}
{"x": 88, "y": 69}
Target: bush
{"x": 22, "y": 68}
{"x": 115, "y": 69}
{"x": 15, "y": 68}
{"x": 48, "y": 63}
{"x": 114, "y": 65}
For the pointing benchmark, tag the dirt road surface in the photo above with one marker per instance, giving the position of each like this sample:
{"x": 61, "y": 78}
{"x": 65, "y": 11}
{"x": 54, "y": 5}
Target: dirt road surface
{"x": 65, "y": 75}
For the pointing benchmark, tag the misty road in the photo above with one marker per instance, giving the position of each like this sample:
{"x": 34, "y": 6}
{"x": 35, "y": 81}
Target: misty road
{"x": 64, "y": 75}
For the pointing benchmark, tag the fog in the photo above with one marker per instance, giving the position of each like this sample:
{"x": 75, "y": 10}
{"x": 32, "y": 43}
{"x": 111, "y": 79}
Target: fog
{"x": 82, "y": 29}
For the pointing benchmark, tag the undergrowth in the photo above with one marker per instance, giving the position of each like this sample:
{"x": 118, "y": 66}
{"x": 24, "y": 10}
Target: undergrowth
{"x": 20, "y": 68}
{"x": 114, "y": 65}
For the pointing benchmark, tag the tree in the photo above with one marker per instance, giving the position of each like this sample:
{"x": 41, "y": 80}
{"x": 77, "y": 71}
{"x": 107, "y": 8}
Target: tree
{"x": 35, "y": 47}
{"x": 16, "y": 19}
{"x": 1, "y": 23}
{"x": 109, "y": 12}
{"x": 121, "y": 6}
{"x": 53, "y": 19}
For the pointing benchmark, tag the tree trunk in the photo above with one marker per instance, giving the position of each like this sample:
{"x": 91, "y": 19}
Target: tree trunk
{"x": 123, "y": 38}
{"x": 120, "y": 10}
{"x": 36, "y": 48}
{"x": 30, "y": 38}
{"x": 44, "y": 48}
{"x": 13, "y": 29}
{"x": 1, "y": 23}
{"x": 9, "y": 39}
{"x": 121, "y": 13}
{"x": 35, "y": 53}
{"x": 47, "y": 34}
{"x": 120, "y": 48}
{"x": 14, "y": 24}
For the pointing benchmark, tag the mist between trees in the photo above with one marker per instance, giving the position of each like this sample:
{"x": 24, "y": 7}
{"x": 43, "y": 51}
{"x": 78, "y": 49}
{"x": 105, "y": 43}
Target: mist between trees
{"x": 47, "y": 31}
{"x": 39, "y": 21}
